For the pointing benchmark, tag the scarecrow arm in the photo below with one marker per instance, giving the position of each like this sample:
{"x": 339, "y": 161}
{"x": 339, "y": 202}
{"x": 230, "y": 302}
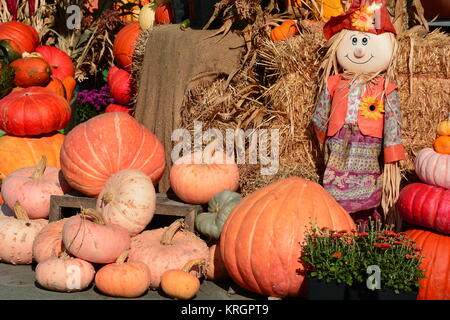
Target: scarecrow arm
{"x": 321, "y": 114}
{"x": 393, "y": 146}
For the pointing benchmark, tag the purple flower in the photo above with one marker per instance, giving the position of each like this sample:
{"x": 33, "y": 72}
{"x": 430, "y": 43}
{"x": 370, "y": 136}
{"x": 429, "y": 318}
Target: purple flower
{"x": 97, "y": 98}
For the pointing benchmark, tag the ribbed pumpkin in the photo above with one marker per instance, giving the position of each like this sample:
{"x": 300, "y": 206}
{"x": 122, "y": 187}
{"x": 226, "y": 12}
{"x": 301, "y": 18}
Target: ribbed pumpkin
{"x": 164, "y": 14}
{"x": 64, "y": 273}
{"x": 124, "y": 44}
{"x": 106, "y": 144}
{"x": 48, "y": 243}
{"x": 60, "y": 62}
{"x": 88, "y": 237}
{"x": 31, "y": 71}
{"x": 17, "y": 235}
{"x": 20, "y": 152}
{"x": 33, "y": 186}
{"x": 261, "y": 240}
{"x": 433, "y": 168}
{"x": 33, "y": 111}
{"x": 117, "y": 108}
{"x": 129, "y": 200}
{"x": 425, "y": 206}
{"x": 119, "y": 82}
{"x": 197, "y": 177}
{"x": 436, "y": 251}
{"x": 24, "y": 35}
{"x": 166, "y": 248}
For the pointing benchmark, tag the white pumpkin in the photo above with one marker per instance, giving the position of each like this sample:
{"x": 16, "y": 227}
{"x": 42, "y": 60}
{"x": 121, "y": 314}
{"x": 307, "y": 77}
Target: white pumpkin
{"x": 433, "y": 168}
{"x": 128, "y": 199}
{"x": 147, "y": 16}
{"x": 17, "y": 236}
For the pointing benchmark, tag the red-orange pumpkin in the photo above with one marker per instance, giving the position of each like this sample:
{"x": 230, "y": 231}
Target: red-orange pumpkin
{"x": 31, "y": 71}
{"x": 436, "y": 251}
{"x": 117, "y": 108}
{"x": 119, "y": 82}
{"x": 24, "y": 35}
{"x": 261, "y": 239}
{"x": 60, "y": 62}
{"x": 106, "y": 144}
{"x": 33, "y": 111}
{"x": 164, "y": 14}
{"x": 124, "y": 44}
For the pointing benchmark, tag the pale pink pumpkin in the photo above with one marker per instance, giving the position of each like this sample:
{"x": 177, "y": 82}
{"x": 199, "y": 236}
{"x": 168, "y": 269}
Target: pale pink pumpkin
{"x": 128, "y": 199}
{"x": 64, "y": 273}
{"x": 17, "y": 235}
{"x": 196, "y": 178}
{"x": 87, "y": 237}
{"x": 166, "y": 248}
{"x": 48, "y": 243}
{"x": 32, "y": 187}
{"x": 433, "y": 168}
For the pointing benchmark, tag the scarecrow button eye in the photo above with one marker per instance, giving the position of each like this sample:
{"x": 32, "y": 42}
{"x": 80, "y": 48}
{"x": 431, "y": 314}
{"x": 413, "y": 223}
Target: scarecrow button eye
{"x": 354, "y": 41}
{"x": 372, "y": 108}
{"x": 364, "y": 41}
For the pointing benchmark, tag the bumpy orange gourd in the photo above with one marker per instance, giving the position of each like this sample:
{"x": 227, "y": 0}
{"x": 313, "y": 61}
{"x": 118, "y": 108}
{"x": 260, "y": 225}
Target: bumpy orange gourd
{"x": 87, "y": 237}
{"x": 286, "y": 29}
{"x": 261, "y": 239}
{"x": 17, "y": 235}
{"x": 124, "y": 44}
{"x": 106, "y": 144}
{"x": 180, "y": 284}
{"x": 436, "y": 251}
{"x": 64, "y": 273}
{"x": 20, "y": 152}
{"x": 123, "y": 279}
{"x": 33, "y": 186}
{"x": 196, "y": 178}
{"x": 48, "y": 243}
{"x": 442, "y": 145}
{"x": 166, "y": 248}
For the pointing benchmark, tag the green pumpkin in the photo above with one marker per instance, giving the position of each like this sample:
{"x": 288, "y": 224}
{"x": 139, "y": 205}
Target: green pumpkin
{"x": 7, "y": 52}
{"x": 6, "y": 79}
{"x": 211, "y": 223}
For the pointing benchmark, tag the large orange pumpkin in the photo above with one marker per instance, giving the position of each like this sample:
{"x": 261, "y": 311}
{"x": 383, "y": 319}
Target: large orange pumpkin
{"x": 261, "y": 239}
{"x": 436, "y": 251}
{"x": 33, "y": 111}
{"x": 24, "y": 35}
{"x": 106, "y": 144}
{"x": 124, "y": 44}
{"x": 20, "y": 152}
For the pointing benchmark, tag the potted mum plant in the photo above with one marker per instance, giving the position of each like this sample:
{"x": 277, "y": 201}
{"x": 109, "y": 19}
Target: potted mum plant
{"x": 377, "y": 264}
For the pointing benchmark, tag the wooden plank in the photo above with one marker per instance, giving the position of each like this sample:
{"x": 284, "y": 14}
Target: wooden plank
{"x": 164, "y": 206}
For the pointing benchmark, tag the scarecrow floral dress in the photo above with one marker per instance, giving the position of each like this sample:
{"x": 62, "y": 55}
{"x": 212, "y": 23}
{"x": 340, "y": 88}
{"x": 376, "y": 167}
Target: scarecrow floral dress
{"x": 353, "y": 161}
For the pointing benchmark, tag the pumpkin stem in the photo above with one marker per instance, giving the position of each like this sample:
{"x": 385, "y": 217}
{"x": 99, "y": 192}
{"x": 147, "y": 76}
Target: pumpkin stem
{"x": 40, "y": 168}
{"x": 190, "y": 264}
{"x": 94, "y": 214}
{"x": 168, "y": 235}
{"x": 64, "y": 255}
{"x": 123, "y": 256}
{"x": 107, "y": 198}
{"x": 20, "y": 212}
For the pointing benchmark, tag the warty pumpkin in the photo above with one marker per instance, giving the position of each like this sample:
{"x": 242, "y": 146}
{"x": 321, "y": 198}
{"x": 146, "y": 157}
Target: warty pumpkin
{"x": 261, "y": 240}
{"x": 433, "y": 168}
{"x": 106, "y": 144}
{"x": 33, "y": 111}
{"x": 20, "y": 152}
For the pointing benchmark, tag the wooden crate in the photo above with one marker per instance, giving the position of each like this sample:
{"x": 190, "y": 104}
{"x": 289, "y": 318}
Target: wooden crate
{"x": 164, "y": 206}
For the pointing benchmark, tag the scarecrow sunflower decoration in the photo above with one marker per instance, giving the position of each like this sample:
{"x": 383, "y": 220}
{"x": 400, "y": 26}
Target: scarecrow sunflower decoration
{"x": 357, "y": 116}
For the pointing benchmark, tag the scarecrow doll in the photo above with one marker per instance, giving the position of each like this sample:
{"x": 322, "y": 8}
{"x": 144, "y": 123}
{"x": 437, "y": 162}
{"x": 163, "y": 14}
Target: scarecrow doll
{"x": 357, "y": 116}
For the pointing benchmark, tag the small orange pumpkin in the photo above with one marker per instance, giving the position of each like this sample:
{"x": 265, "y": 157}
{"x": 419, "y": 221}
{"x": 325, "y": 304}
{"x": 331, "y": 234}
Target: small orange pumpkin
{"x": 180, "y": 284}
{"x": 286, "y": 29}
{"x": 442, "y": 145}
{"x": 31, "y": 71}
{"x": 123, "y": 279}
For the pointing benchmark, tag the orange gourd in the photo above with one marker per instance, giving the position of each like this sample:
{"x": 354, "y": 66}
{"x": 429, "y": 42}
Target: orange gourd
{"x": 20, "y": 152}
{"x": 261, "y": 240}
{"x": 442, "y": 145}
{"x": 180, "y": 284}
{"x": 123, "y": 279}
{"x": 286, "y": 29}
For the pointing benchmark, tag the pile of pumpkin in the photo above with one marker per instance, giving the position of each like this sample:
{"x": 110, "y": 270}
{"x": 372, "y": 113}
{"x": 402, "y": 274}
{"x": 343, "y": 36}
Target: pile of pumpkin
{"x": 426, "y": 204}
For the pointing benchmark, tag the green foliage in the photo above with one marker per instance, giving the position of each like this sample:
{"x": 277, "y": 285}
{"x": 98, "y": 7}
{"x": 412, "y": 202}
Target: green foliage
{"x": 6, "y": 79}
{"x": 344, "y": 257}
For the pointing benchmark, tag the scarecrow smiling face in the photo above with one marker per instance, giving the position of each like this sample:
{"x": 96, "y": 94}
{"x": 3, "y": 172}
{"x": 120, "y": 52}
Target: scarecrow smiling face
{"x": 363, "y": 52}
